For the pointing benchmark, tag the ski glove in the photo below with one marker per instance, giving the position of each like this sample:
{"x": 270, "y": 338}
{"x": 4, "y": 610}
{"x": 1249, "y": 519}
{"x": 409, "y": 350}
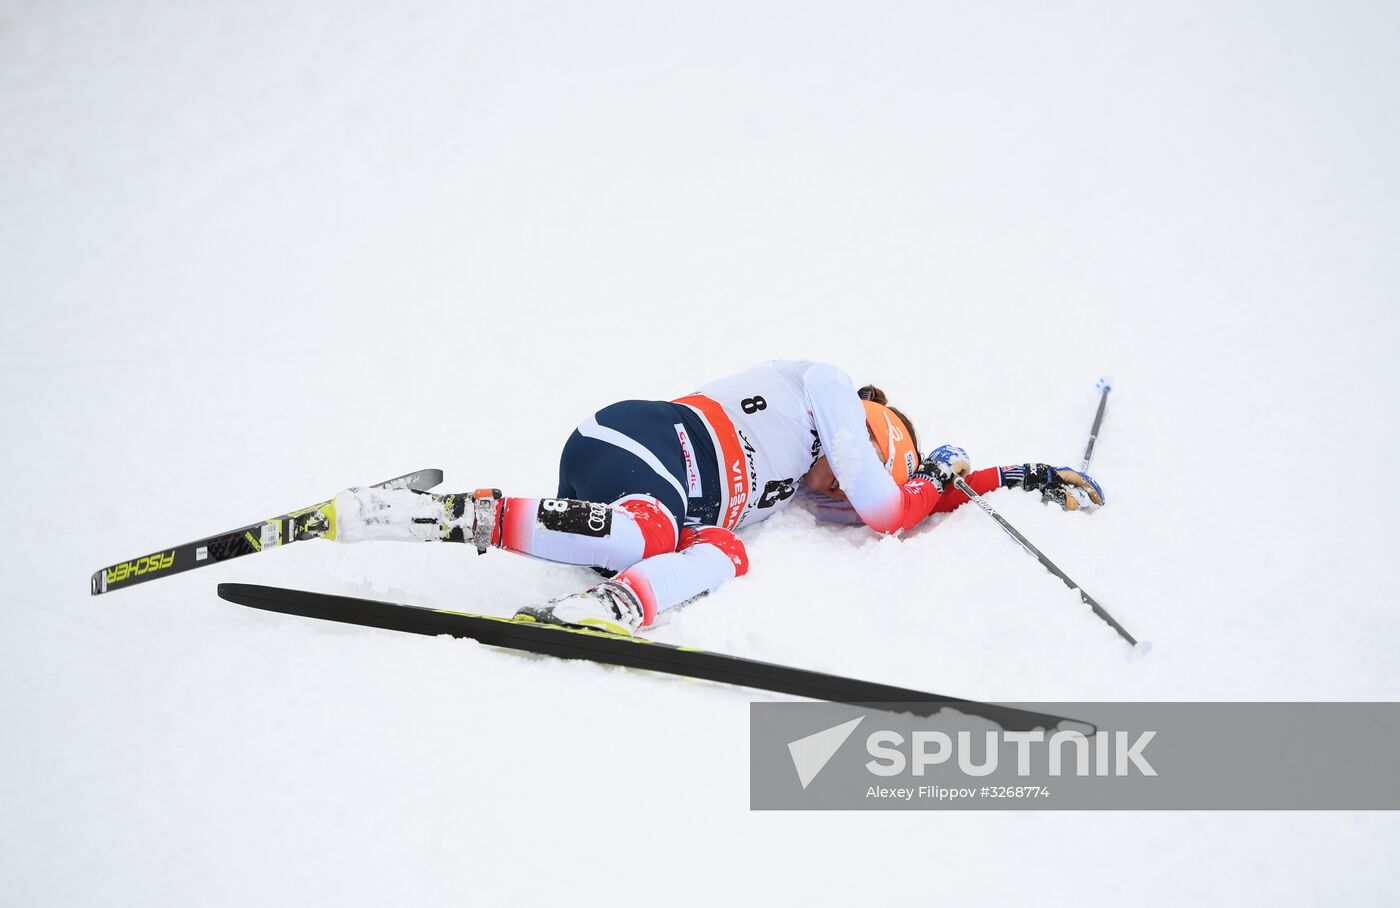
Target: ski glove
{"x": 941, "y": 464}
{"x": 1070, "y": 489}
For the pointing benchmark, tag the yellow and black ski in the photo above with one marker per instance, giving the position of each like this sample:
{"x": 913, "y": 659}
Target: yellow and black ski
{"x": 255, "y": 537}
{"x": 633, "y": 652}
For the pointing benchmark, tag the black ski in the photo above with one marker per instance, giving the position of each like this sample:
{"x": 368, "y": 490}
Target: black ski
{"x": 255, "y": 537}
{"x": 632, "y": 652}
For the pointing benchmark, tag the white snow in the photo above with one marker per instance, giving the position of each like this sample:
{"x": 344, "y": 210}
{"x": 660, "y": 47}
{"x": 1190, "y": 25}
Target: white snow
{"x": 253, "y": 253}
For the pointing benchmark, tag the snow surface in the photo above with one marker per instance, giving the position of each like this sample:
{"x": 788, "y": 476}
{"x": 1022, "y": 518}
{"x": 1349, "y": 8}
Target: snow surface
{"x": 253, "y": 253}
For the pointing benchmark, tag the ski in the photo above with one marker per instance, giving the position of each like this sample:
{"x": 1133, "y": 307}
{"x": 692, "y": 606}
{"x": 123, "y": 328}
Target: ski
{"x": 255, "y": 537}
{"x": 631, "y": 652}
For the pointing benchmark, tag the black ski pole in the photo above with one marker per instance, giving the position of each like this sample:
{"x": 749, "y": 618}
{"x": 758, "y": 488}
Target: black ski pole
{"x": 1103, "y": 387}
{"x": 1050, "y": 566}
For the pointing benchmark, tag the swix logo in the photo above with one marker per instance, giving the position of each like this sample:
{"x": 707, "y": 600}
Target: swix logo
{"x": 147, "y": 565}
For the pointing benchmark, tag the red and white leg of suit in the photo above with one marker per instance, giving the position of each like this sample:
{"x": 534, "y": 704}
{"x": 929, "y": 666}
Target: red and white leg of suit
{"x": 664, "y": 564}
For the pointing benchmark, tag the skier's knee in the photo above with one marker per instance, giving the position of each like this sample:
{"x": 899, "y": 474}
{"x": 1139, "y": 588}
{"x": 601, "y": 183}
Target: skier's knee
{"x": 732, "y": 546}
{"x": 657, "y": 525}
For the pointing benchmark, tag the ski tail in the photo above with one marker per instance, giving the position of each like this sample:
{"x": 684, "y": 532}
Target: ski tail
{"x": 631, "y": 652}
{"x": 246, "y": 540}
{"x": 418, "y": 481}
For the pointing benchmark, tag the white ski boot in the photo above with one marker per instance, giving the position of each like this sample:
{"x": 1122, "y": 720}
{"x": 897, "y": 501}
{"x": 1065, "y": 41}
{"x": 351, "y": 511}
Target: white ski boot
{"x": 608, "y": 606}
{"x": 402, "y": 515}
{"x": 399, "y": 515}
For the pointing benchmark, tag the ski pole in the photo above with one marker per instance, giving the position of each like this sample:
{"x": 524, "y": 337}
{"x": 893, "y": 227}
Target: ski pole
{"x": 1025, "y": 543}
{"x": 1103, "y": 387}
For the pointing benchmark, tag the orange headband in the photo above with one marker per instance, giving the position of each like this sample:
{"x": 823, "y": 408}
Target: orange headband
{"x": 893, "y": 439}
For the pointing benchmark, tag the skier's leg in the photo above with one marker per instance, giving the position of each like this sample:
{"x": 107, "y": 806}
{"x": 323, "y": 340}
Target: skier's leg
{"x": 628, "y": 456}
{"x": 621, "y": 499}
{"x": 707, "y": 557}
{"x": 633, "y": 448}
{"x": 595, "y": 534}
{"x": 571, "y": 531}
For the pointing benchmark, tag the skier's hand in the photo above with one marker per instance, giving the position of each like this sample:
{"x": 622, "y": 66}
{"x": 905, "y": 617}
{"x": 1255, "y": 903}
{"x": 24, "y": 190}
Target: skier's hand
{"x": 1070, "y": 489}
{"x": 941, "y": 464}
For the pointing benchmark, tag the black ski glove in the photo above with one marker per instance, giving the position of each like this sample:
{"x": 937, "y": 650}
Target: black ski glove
{"x": 1070, "y": 489}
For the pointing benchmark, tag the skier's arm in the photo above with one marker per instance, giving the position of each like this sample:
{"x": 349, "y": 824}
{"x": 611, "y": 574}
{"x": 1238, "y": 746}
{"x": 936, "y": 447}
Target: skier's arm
{"x": 840, "y": 420}
{"x": 1070, "y": 489}
{"x": 981, "y": 481}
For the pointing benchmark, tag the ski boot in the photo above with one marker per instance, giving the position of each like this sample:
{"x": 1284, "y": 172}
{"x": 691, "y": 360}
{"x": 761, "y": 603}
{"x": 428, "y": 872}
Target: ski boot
{"x": 608, "y": 606}
{"x": 400, "y": 515}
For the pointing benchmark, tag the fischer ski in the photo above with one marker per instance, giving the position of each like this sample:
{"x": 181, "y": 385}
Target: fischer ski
{"x": 255, "y": 537}
{"x": 632, "y": 652}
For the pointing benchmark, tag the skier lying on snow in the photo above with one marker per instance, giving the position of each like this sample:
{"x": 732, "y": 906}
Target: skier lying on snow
{"x": 652, "y": 492}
